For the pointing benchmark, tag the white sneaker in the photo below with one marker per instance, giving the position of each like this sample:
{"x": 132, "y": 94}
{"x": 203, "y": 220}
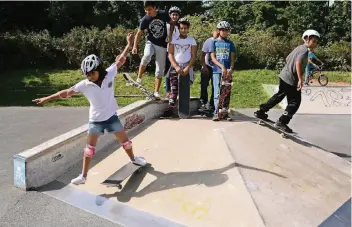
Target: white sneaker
{"x": 156, "y": 95}
{"x": 139, "y": 81}
{"x": 139, "y": 161}
{"x": 79, "y": 180}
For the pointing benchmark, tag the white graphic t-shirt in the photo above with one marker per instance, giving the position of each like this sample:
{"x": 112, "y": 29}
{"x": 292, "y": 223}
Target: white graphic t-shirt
{"x": 183, "y": 49}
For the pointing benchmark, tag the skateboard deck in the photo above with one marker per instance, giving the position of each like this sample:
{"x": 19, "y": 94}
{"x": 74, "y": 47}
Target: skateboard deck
{"x": 132, "y": 82}
{"x": 271, "y": 125}
{"x": 225, "y": 89}
{"x": 184, "y": 96}
{"x": 120, "y": 175}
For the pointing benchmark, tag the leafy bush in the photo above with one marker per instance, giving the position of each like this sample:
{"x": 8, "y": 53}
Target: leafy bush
{"x": 254, "y": 49}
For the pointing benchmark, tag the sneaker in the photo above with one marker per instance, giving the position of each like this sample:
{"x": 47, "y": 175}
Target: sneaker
{"x": 260, "y": 114}
{"x": 79, "y": 180}
{"x": 283, "y": 127}
{"x": 156, "y": 95}
{"x": 139, "y": 161}
{"x": 139, "y": 81}
{"x": 215, "y": 117}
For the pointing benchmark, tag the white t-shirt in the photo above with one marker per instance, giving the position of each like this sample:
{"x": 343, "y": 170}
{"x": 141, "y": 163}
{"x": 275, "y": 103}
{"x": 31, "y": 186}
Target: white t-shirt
{"x": 102, "y": 100}
{"x": 175, "y": 34}
{"x": 183, "y": 49}
{"x": 206, "y": 49}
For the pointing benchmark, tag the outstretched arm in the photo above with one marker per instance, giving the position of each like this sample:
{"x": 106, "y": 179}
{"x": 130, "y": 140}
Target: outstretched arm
{"x": 61, "y": 94}
{"x": 121, "y": 59}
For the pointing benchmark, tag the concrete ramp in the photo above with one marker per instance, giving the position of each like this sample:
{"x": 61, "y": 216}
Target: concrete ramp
{"x": 208, "y": 174}
{"x": 320, "y": 100}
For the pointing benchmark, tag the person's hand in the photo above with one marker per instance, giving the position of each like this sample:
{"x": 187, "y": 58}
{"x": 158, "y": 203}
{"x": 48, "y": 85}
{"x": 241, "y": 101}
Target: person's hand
{"x": 179, "y": 70}
{"x": 186, "y": 71}
{"x": 224, "y": 70}
{"x": 300, "y": 85}
{"x": 40, "y": 100}
{"x": 229, "y": 72}
{"x": 205, "y": 70}
{"x": 129, "y": 38}
{"x": 134, "y": 50}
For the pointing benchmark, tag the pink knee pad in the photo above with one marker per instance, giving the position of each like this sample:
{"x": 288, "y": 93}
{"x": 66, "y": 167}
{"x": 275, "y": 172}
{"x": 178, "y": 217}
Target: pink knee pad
{"x": 89, "y": 151}
{"x": 127, "y": 145}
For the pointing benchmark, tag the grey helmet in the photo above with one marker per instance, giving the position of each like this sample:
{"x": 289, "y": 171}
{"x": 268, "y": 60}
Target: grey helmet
{"x": 184, "y": 20}
{"x": 223, "y": 25}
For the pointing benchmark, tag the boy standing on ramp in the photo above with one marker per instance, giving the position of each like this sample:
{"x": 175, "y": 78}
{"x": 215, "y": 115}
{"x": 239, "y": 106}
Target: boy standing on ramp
{"x": 155, "y": 23}
{"x": 99, "y": 90}
{"x": 291, "y": 82}
{"x": 223, "y": 56}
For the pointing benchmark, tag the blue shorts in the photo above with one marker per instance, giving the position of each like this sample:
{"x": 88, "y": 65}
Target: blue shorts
{"x": 111, "y": 125}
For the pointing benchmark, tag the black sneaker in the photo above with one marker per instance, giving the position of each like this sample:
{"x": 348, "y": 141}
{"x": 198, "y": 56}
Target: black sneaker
{"x": 260, "y": 114}
{"x": 283, "y": 127}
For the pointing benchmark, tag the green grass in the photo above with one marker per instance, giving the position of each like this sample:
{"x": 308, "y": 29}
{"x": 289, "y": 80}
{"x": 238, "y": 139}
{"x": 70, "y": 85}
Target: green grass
{"x": 18, "y": 88}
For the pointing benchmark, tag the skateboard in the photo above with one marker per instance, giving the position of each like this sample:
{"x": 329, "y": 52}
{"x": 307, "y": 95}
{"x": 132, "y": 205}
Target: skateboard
{"x": 225, "y": 89}
{"x": 184, "y": 96}
{"x": 132, "y": 82}
{"x": 120, "y": 175}
{"x": 271, "y": 123}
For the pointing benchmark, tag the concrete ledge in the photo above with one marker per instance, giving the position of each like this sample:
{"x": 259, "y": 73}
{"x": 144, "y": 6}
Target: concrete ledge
{"x": 44, "y": 163}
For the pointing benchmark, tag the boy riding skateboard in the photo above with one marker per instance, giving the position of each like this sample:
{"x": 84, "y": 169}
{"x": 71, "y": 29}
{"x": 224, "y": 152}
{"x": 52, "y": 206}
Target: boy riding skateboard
{"x": 155, "y": 23}
{"x": 182, "y": 55}
{"x": 223, "y": 56}
{"x": 291, "y": 82}
{"x": 98, "y": 87}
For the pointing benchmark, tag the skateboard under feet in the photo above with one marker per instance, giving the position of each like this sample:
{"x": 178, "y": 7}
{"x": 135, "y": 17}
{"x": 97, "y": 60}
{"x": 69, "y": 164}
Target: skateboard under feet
{"x": 120, "y": 175}
{"x": 271, "y": 124}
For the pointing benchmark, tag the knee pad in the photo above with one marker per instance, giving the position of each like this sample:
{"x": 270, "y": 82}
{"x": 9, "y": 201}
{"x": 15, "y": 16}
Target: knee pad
{"x": 127, "y": 145}
{"x": 89, "y": 151}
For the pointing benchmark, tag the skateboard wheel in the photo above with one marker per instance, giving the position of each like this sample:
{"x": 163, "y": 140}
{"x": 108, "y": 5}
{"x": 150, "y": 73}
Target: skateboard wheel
{"x": 139, "y": 170}
{"x": 119, "y": 186}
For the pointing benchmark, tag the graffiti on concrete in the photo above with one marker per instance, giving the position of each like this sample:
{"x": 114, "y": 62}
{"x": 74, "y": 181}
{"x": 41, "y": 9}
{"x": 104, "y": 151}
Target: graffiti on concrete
{"x": 133, "y": 120}
{"x": 337, "y": 97}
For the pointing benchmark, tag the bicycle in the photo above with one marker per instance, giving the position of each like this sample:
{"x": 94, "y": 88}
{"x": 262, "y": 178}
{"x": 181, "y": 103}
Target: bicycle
{"x": 322, "y": 78}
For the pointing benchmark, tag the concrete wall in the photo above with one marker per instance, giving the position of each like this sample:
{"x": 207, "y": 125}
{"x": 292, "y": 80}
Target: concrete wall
{"x": 46, "y": 162}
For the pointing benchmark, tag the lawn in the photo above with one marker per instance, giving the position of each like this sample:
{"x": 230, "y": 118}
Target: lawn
{"x": 18, "y": 88}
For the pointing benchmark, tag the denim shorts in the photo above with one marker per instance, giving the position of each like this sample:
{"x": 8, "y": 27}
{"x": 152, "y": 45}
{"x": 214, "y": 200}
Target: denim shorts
{"x": 111, "y": 125}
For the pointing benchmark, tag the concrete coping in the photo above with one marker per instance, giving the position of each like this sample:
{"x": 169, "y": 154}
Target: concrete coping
{"x": 45, "y": 162}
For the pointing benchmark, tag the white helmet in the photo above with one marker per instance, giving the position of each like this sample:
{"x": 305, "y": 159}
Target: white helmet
{"x": 223, "y": 25}
{"x": 309, "y": 33}
{"x": 90, "y": 63}
{"x": 174, "y": 9}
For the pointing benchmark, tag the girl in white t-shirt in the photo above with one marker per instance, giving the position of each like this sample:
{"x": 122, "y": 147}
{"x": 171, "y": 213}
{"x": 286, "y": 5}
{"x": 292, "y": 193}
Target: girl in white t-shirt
{"x": 182, "y": 55}
{"x": 99, "y": 90}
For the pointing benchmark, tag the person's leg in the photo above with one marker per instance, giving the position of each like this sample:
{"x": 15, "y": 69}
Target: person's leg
{"x": 113, "y": 125}
{"x": 274, "y": 100}
{"x": 211, "y": 102}
{"x": 167, "y": 75}
{"x": 216, "y": 83}
{"x": 160, "y": 55}
{"x": 147, "y": 56}
{"x": 174, "y": 87}
{"x": 204, "y": 82}
{"x": 293, "y": 104}
{"x": 94, "y": 130}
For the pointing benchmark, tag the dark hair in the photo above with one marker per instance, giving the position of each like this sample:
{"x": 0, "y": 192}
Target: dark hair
{"x": 102, "y": 72}
{"x": 149, "y": 3}
{"x": 185, "y": 23}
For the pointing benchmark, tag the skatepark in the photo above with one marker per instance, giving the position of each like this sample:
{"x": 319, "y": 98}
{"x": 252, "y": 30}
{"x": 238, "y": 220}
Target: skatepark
{"x": 200, "y": 172}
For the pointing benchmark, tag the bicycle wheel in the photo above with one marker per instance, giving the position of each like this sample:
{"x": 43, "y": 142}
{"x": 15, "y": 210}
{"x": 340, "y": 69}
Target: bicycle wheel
{"x": 323, "y": 80}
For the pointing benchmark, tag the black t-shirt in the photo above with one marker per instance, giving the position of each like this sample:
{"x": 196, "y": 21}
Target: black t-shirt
{"x": 156, "y": 27}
